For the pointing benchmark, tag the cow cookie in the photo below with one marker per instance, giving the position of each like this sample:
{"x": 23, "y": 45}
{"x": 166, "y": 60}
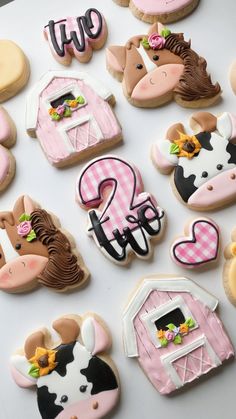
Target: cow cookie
{"x": 74, "y": 377}
{"x": 158, "y": 10}
{"x": 122, "y": 218}
{"x": 7, "y": 140}
{"x": 203, "y": 164}
{"x": 160, "y": 67}
{"x": 15, "y": 69}
{"x": 171, "y": 327}
{"x": 42, "y": 253}
{"x": 229, "y": 273}
{"x": 199, "y": 246}
{"x": 71, "y": 115}
{"x": 76, "y": 36}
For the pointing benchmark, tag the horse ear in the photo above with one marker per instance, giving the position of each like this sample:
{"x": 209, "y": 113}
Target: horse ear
{"x": 6, "y": 216}
{"x": 157, "y": 27}
{"x": 116, "y": 60}
{"x": 95, "y": 338}
{"x": 203, "y": 121}
{"x": 24, "y": 205}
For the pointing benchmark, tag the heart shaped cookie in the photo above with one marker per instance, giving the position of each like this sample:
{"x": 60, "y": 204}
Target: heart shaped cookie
{"x": 199, "y": 246}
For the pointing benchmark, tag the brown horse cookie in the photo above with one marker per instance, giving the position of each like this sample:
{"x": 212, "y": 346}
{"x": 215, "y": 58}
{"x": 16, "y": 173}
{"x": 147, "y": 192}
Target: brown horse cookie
{"x": 46, "y": 255}
{"x": 159, "y": 67}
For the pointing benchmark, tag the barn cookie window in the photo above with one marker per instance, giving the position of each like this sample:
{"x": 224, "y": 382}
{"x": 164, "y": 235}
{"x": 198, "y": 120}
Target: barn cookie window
{"x": 169, "y": 322}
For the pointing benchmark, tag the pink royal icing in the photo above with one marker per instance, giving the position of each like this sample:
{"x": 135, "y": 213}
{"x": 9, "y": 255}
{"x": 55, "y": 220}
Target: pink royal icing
{"x": 153, "y": 7}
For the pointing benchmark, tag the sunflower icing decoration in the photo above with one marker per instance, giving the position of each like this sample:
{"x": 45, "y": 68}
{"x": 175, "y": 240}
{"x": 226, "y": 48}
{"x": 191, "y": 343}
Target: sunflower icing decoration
{"x": 42, "y": 362}
{"x": 185, "y": 146}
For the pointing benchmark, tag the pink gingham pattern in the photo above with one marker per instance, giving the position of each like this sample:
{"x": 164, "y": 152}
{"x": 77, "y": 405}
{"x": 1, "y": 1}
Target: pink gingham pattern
{"x": 124, "y": 182}
{"x": 202, "y": 247}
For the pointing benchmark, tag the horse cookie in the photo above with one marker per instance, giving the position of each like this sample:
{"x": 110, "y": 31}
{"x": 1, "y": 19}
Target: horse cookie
{"x": 7, "y": 140}
{"x": 158, "y": 10}
{"x": 44, "y": 253}
{"x": 160, "y": 67}
{"x": 76, "y": 36}
{"x": 15, "y": 69}
{"x": 199, "y": 246}
{"x": 122, "y": 218}
{"x": 204, "y": 164}
{"x": 72, "y": 380}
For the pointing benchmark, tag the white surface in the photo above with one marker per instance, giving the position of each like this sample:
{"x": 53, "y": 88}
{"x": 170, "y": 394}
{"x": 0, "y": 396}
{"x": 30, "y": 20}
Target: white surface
{"x": 212, "y": 29}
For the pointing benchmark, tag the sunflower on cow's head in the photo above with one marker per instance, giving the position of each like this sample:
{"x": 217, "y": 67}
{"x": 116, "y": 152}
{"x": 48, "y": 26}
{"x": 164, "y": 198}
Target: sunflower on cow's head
{"x": 185, "y": 146}
{"x": 42, "y": 362}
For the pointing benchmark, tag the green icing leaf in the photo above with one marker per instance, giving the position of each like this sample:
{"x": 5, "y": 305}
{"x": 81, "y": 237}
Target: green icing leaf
{"x": 164, "y": 342}
{"x": 67, "y": 112}
{"x": 145, "y": 43}
{"x": 55, "y": 116}
{"x": 24, "y": 217}
{"x": 80, "y": 100}
{"x": 165, "y": 32}
{"x": 177, "y": 340}
{"x": 171, "y": 326}
{"x": 174, "y": 149}
{"x": 31, "y": 236}
{"x": 190, "y": 322}
{"x": 34, "y": 371}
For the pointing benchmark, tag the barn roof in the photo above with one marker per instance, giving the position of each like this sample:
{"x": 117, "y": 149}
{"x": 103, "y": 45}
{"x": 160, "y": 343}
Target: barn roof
{"x": 32, "y": 101}
{"x": 148, "y": 284}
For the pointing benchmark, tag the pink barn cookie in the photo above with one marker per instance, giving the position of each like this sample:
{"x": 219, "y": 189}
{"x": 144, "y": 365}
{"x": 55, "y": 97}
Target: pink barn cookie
{"x": 41, "y": 252}
{"x": 204, "y": 164}
{"x": 76, "y": 36}
{"x": 72, "y": 380}
{"x": 171, "y": 327}
{"x": 199, "y": 246}
{"x": 7, "y": 140}
{"x": 158, "y": 10}
{"x": 122, "y": 218}
{"x": 71, "y": 115}
{"x": 160, "y": 67}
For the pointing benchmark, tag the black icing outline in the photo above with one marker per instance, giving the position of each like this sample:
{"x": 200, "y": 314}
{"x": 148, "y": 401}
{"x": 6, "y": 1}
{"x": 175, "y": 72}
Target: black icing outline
{"x": 194, "y": 241}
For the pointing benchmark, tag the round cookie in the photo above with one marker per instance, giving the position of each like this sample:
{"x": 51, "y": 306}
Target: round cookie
{"x": 203, "y": 164}
{"x": 74, "y": 377}
{"x": 15, "y": 69}
{"x": 158, "y": 10}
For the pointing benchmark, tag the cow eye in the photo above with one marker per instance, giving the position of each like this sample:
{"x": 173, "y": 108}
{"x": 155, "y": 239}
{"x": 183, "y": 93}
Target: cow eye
{"x": 204, "y": 174}
{"x": 155, "y": 57}
{"x": 139, "y": 66}
{"x": 64, "y": 399}
{"x": 83, "y": 389}
{"x": 219, "y": 166}
{"x": 18, "y": 246}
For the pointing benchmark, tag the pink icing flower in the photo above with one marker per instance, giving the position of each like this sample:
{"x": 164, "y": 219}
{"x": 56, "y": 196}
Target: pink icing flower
{"x": 24, "y": 228}
{"x": 60, "y": 110}
{"x": 169, "y": 335}
{"x": 156, "y": 41}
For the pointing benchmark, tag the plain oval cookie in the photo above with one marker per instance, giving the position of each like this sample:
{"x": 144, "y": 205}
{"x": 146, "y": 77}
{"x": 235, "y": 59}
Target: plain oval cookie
{"x": 158, "y": 10}
{"x": 229, "y": 272}
{"x": 15, "y": 69}
{"x": 7, "y": 140}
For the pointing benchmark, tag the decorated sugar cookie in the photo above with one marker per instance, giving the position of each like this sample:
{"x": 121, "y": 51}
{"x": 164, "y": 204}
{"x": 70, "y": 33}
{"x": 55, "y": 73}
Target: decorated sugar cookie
{"x": 76, "y": 36}
{"x": 44, "y": 253}
{"x": 232, "y": 76}
{"x": 229, "y": 275}
{"x": 15, "y": 69}
{"x": 203, "y": 164}
{"x": 123, "y": 219}
{"x": 71, "y": 115}
{"x": 7, "y": 140}
{"x": 199, "y": 246}
{"x": 159, "y": 67}
{"x": 171, "y": 327}
{"x": 72, "y": 380}
{"x": 158, "y": 10}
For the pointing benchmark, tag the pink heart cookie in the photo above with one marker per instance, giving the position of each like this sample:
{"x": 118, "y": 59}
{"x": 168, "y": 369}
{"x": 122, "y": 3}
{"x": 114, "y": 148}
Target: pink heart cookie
{"x": 199, "y": 247}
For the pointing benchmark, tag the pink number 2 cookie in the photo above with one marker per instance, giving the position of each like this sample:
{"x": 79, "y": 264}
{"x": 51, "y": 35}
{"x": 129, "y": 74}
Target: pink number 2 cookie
{"x": 7, "y": 139}
{"x": 122, "y": 218}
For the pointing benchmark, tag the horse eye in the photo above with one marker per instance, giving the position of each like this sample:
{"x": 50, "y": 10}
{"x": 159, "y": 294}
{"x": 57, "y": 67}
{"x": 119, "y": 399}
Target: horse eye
{"x": 18, "y": 246}
{"x": 139, "y": 66}
{"x": 155, "y": 57}
{"x": 204, "y": 174}
{"x": 64, "y": 399}
{"x": 83, "y": 389}
{"x": 219, "y": 166}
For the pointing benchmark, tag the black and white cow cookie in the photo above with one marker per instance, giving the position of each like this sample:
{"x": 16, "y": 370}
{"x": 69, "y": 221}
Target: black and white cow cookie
{"x": 72, "y": 381}
{"x": 204, "y": 164}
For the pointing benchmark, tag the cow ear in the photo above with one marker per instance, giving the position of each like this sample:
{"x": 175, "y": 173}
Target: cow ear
{"x": 174, "y": 131}
{"x": 116, "y": 60}
{"x": 226, "y": 125}
{"x": 203, "y": 121}
{"x": 24, "y": 205}
{"x": 157, "y": 27}
{"x": 20, "y": 368}
{"x": 95, "y": 337}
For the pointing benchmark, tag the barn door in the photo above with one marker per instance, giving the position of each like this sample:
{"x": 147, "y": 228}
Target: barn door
{"x": 83, "y": 133}
{"x": 191, "y": 361}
